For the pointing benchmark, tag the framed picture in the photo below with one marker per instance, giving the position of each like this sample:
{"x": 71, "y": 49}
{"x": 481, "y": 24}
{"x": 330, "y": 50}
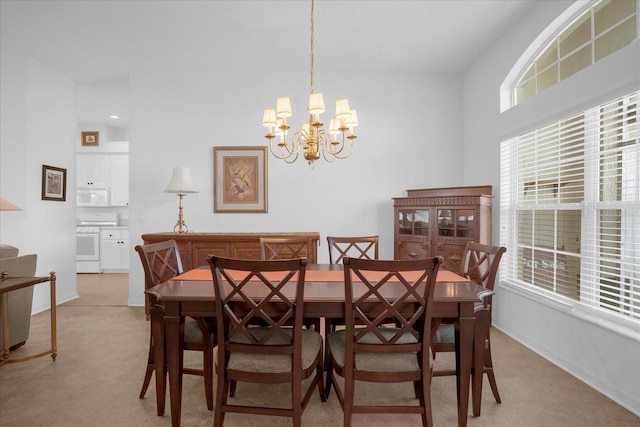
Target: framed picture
{"x": 240, "y": 179}
{"x": 54, "y": 183}
{"x": 90, "y": 139}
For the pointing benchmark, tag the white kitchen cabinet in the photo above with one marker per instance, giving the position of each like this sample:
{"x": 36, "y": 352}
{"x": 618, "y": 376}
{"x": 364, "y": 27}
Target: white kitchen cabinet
{"x": 119, "y": 180}
{"x": 114, "y": 249}
{"x": 92, "y": 170}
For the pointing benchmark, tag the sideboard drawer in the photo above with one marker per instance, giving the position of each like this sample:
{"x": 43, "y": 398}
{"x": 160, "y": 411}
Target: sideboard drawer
{"x": 245, "y": 250}
{"x": 201, "y": 250}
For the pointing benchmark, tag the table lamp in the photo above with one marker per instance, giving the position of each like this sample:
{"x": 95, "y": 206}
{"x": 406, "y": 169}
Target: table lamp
{"x": 181, "y": 185}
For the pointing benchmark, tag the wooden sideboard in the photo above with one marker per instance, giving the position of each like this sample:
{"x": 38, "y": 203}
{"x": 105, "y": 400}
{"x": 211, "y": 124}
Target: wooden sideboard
{"x": 195, "y": 247}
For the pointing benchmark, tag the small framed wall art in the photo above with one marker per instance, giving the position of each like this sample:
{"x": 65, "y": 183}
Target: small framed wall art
{"x": 240, "y": 179}
{"x": 54, "y": 183}
{"x": 90, "y": 138}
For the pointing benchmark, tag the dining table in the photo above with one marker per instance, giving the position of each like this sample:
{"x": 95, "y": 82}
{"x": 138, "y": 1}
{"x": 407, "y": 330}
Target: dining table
{"x": 192, "y": 294}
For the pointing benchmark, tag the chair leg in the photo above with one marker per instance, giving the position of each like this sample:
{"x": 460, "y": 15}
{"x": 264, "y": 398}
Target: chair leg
{"x": 149, "y": 372}
{"x": 328, "y": 373}
{"x": 488, "y": 368}
{"x": 424, "y": 397}
{"x": 296, "y": 400}
{"x": 319, "y": 374}
{"x": 208, "y": 374}
{"x": 349, "y": 393}
{"x": 221, "y": 398}
{"x": 207, "y": 361}
{"x": 479, "y": 353}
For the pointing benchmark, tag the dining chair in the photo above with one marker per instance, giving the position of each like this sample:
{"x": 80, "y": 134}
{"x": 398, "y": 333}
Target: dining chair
{"x": 353, "y": 247}
{"x": 161, "y": 262}
{"x": 367, "y": 349}
{"x": 480, "y": 264}
{"x": 275, "y": 353}
{"x": 272, "y": 248}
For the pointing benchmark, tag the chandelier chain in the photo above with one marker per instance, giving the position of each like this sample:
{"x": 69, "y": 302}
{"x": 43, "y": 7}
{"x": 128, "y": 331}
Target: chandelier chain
{"x": 311, "y": 50}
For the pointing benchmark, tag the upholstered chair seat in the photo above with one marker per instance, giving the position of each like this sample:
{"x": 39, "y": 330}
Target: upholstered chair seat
{"x": 273, "y": 363}
{"x": 376, "y": 362}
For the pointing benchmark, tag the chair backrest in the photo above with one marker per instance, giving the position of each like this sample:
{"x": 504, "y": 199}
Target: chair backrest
{"x": 8, "y": 251}
{"x": 377, "y": 291}
{"x": 160, "y": 261}
{"x": 19, "y": 266}
{"x": 480, "y": 263}
{"x": 353, "y": 247}
{"x": 247, "y": 291}
{"x": 273, "y": 248}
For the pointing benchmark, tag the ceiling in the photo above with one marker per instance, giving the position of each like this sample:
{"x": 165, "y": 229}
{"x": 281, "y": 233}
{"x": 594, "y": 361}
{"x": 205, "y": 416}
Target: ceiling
{"x": 97, "y": 43}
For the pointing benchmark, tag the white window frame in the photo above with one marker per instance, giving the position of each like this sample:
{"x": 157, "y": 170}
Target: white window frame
{"x": 542, "y": 42}
{"x": 590, "y": 293}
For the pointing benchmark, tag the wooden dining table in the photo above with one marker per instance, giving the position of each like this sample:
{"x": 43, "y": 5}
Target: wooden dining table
{"x": 192, "y": 294}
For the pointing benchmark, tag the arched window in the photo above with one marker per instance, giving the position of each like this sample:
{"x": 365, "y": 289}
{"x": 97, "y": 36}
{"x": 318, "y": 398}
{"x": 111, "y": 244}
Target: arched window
{"x": 584, "y": 34}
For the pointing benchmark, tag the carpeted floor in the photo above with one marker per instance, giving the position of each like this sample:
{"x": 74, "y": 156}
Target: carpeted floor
{"x": 102, "y": 352}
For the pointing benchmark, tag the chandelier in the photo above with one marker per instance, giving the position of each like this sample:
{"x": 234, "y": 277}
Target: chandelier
{"x": 337, "y": 143}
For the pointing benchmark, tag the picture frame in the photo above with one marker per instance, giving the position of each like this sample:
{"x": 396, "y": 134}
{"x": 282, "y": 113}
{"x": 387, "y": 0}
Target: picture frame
{"x": 90, "y": 138}
{"x": 54, "y": 183}
{"x": 240, "y": 179}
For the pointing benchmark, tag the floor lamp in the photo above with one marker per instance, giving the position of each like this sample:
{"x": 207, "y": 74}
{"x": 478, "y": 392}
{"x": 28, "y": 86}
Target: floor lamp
{"x": 181, "y": 185}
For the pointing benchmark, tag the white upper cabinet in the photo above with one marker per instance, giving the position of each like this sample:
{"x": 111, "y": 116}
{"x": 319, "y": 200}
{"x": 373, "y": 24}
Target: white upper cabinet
{"x": 105, "y": 171}
{"x": 120, "y": 180}
{"x": 93, "y": 170}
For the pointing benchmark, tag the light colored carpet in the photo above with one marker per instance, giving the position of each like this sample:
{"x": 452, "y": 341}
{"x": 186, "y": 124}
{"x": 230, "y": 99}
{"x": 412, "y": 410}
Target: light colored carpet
{"x": 102, "y": 352}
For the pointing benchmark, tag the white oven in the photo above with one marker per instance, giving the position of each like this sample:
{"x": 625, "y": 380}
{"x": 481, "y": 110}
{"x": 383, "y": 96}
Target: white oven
{"x": 88, "y": 249}
{"x": 88, "y": 240}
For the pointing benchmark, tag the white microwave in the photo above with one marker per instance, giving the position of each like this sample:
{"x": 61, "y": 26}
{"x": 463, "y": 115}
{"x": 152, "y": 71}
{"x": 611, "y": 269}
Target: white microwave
{"x": 92, "y": 196}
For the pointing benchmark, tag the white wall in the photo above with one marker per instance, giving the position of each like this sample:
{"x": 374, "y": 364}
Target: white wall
{"x": 599, "y": 353}
{"x": 38, "y": 128}
{"x": 409, "y": 137}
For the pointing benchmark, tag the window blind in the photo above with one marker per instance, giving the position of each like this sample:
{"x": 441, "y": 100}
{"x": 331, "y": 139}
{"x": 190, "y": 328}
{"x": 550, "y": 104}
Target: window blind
{"x": 570, "y": 208}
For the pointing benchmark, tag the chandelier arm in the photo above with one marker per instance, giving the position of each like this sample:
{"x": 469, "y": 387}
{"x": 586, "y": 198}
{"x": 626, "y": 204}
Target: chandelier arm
{"x": 292, "y": 160}
{"x": 343, "y": 144}
{"x": 282, "y": 156}
{"x": 324, "y": 143}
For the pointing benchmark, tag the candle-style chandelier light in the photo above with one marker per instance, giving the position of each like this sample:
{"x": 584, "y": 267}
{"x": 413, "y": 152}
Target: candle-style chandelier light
{"x": 337, "y": 143}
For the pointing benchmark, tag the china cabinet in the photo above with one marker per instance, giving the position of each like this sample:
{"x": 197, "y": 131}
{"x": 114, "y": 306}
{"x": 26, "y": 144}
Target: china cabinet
{"x": 440, "y": 221}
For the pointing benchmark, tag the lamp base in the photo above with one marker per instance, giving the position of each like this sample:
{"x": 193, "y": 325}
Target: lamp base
{"x": 181, "y": 226}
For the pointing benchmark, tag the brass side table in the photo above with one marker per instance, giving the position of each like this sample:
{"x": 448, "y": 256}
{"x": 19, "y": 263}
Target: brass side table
{"x": 8, "y": 284}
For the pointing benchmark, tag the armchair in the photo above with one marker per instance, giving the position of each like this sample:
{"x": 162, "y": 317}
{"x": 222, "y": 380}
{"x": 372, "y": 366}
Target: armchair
{"x": 20, "y": 301}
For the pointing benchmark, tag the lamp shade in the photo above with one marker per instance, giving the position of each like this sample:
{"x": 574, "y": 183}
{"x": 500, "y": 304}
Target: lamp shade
{"x": 6, "y": 205}
{"x": 180, "y": 182}
{"x": 316, "y": 103}
{"x": 352, "y": 120}
{"x": 283, "y": 107}
{"x": 342, "y": 109}
{"x": 269, "y": 117}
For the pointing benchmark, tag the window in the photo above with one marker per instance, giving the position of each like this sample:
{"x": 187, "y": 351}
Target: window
{"x": 604, "y": 28}
{"x": 570, "y": 208}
